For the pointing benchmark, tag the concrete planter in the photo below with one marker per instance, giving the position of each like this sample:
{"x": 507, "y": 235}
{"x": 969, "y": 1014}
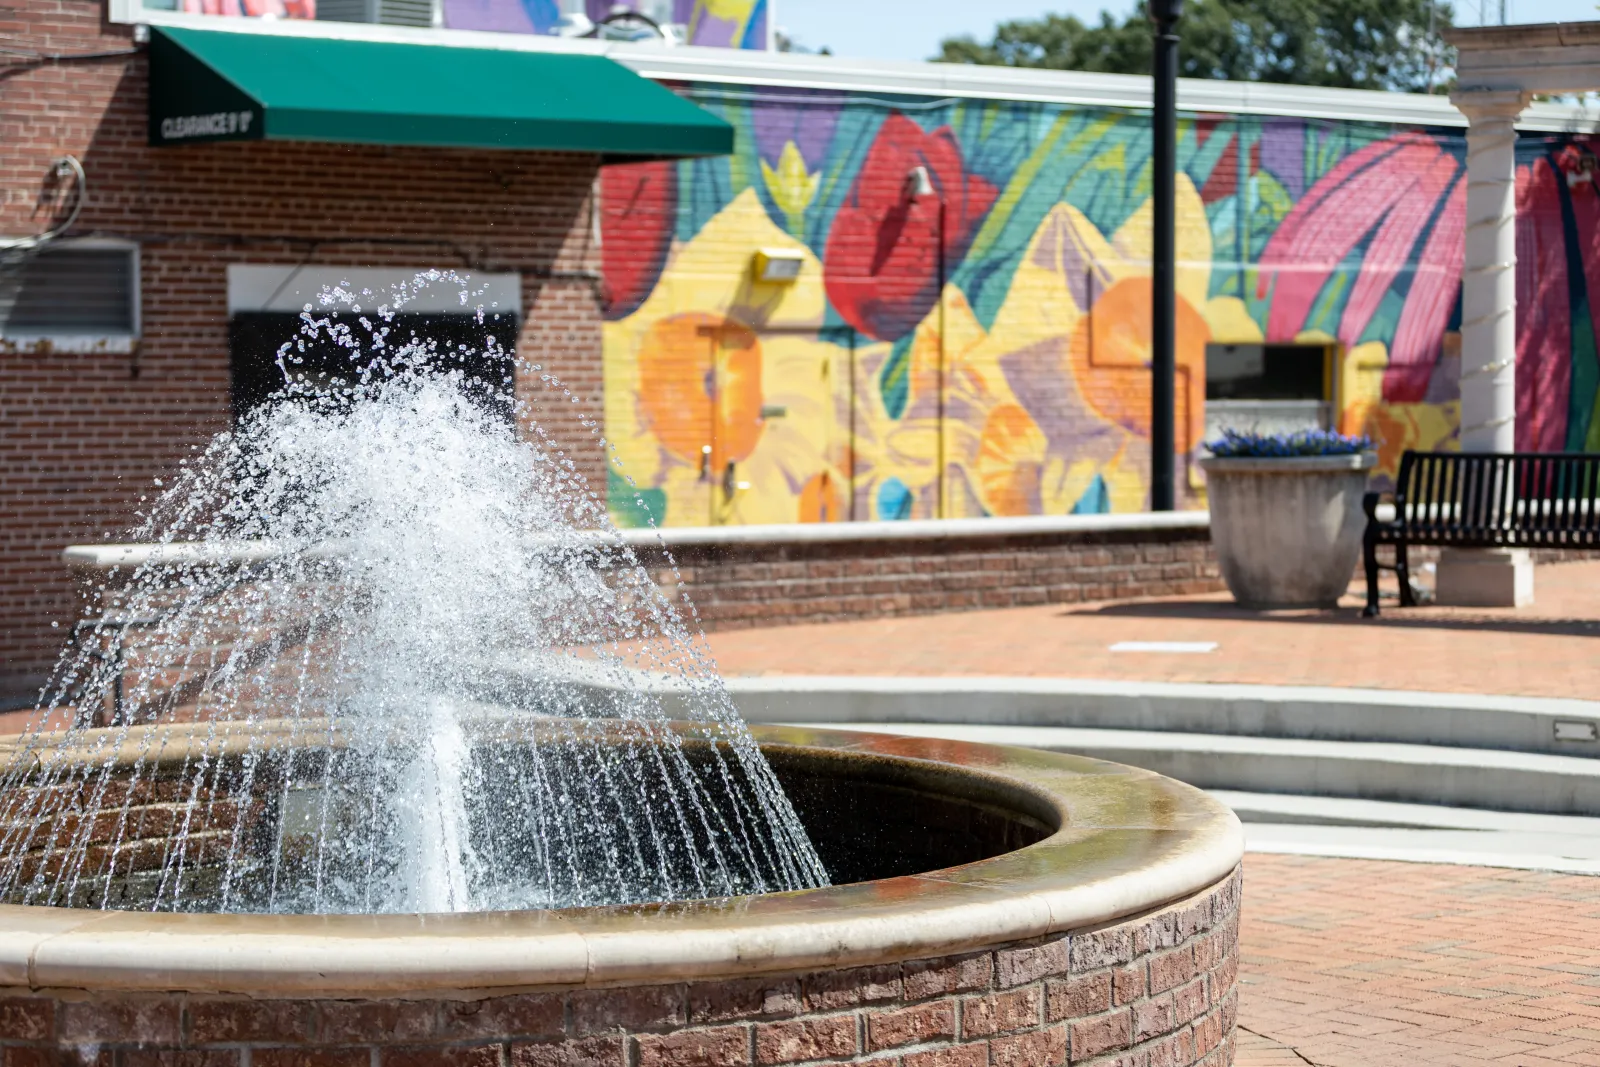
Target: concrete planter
{"x": 1287, "y": 531}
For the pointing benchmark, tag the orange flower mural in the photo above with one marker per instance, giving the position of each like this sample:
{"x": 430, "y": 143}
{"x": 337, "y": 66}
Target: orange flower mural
{"x": 1394, "y": 427}
{"x": 722, "y": 403}
{"x": 1011, "y": 452}
{"x": 820, "y": 499}
{"x": 700, "y": 377}
{"x": 1110, "y": 356}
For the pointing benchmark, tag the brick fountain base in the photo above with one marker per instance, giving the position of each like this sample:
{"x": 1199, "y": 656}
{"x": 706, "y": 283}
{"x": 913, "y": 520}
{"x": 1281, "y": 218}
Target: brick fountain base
{"x": 1110, "y": 937}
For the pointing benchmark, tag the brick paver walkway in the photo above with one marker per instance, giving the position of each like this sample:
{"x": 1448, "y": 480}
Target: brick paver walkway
{"x": 1549, "y": 649}
{"x": 1358, "y": 963}
{"x": 1347, "y": 963}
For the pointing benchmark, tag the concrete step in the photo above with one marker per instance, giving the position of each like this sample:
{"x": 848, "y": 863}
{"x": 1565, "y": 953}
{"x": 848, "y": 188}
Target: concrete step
{"x": 1513, "y": 724}
{"x": 1418, "y": 833}
{"x": 1408, "y": 774}
{"x": 1472, "y": 848}
{"x": 1283, "y": 809}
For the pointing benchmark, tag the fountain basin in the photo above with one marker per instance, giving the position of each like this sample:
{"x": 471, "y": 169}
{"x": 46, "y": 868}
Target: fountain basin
{"x": 1003, "y": 906}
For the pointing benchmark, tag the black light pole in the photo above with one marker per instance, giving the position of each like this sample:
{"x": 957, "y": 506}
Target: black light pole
{"x": 1163, "y": 306}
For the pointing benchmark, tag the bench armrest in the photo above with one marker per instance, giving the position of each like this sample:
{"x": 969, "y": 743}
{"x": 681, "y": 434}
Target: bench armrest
{"x": 1370, "y": 502}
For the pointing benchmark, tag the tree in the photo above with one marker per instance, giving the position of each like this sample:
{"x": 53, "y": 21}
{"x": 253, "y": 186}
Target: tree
{"x": 1346, "y": 44}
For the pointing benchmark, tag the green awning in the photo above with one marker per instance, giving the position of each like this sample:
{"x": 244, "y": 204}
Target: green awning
{"x": 208, "y": 85}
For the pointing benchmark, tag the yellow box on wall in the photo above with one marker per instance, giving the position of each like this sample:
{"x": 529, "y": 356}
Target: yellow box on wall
{"x": 779, "y": 266}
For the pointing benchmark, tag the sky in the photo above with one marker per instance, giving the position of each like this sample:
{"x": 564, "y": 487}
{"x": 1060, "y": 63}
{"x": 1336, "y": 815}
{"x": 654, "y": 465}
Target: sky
{"x": 912, "y": 29}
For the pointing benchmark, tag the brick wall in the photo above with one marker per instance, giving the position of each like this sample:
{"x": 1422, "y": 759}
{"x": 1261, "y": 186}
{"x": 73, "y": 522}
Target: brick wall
{"x": 82, "y": 435}
{"x": 134, "y": 829}
{"x": 735, "y": 585}
{"x": 1156, "y": 990}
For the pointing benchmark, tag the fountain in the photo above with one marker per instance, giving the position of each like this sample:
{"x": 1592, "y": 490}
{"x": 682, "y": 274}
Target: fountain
{"x": 383, "y": 745}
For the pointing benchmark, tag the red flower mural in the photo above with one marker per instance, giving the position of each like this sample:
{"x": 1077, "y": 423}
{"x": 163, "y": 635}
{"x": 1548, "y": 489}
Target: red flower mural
{"x": 638, "y": 213}
{"x": 881, "y": 263}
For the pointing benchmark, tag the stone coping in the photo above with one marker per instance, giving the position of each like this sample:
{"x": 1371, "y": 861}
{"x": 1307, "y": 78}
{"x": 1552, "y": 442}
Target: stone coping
{"x": 1354, "y": 461}
{"x": 1530, "y": 35}
{"x": 109, "y": 556}
{"x": 1127, "y": 841}
{"x": 921, "y": 529}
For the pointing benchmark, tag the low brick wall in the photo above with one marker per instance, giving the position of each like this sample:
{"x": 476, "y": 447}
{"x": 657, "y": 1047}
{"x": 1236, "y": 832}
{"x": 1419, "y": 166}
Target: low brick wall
{"x": 766, "y": 576}
{"x": 773, "y": 575}
{"x": 1156, "y": 989}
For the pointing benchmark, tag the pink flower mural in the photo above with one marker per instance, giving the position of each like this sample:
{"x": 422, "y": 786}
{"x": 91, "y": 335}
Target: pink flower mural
{"x": 1405, "y": 198}
{"x": 283, "y": 9}
{"x": 1558, "y": 284}
{"x": 1544, "y": 319}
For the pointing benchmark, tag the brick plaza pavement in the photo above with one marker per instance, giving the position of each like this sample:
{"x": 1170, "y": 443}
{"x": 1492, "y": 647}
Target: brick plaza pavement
{"x": 1549, "y": 649}
{"x": 1346, "y": 963}
{"x": 1360, "y": 963}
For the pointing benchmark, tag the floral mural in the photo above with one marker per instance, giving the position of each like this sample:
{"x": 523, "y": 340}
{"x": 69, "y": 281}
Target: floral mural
{"x": 973, "y": 338}
{"x": 283, "y": 9}
{"x": 714, "y": 23}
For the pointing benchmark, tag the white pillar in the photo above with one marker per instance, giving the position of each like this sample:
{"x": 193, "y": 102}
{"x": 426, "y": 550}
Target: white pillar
{"x": 1489, "y": 277}
{"x": 1499, "y": 577}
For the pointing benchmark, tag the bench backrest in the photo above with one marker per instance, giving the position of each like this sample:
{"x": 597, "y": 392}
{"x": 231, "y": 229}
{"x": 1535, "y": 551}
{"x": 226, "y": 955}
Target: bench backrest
{"x": 1523, "y": 499}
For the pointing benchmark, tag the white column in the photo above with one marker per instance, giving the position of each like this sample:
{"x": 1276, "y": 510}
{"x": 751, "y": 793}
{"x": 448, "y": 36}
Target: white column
{"x": 1489, "y": 279}
{"x": 1496, "y": 577}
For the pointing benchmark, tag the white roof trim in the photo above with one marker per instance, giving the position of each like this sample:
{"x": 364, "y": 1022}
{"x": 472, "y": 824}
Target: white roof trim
{"x": 289, "y": 289}
{"x": 940, "y": 80}
{"x": 951, "y": 80}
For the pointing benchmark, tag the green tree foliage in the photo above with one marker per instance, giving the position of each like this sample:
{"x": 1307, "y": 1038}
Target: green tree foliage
{"x": 1347, "y": 44}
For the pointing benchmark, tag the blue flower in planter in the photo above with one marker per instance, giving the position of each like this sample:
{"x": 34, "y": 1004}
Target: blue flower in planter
{"x": 1234, "y": 444}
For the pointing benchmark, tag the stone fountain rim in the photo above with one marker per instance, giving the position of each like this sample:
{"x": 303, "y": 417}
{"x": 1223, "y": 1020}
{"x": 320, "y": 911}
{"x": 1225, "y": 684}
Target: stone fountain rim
{"x": 1129, "y": 841}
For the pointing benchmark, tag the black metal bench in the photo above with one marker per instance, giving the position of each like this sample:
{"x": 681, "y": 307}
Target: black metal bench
{"x": 1482, "y": 500}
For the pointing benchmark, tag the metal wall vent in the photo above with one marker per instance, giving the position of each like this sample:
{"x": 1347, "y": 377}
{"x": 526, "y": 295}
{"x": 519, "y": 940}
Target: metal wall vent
{"x": 384, "y": 12}
{"x": 67, "y": 291}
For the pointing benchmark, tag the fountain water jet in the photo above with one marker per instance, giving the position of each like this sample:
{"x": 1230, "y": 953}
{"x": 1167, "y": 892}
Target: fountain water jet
{"x": 410, "y": 552}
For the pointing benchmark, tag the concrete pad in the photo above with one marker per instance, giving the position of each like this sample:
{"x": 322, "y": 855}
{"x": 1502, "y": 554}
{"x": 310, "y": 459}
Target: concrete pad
{"x": 1484, "y": 578}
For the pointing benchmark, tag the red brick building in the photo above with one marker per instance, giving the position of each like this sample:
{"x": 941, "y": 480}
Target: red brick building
{"x": 98, "y": 397}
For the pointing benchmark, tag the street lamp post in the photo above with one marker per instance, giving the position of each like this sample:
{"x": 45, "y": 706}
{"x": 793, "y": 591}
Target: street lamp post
{"x": 1163, "y": 306}
{"x": 919, "y": 185}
